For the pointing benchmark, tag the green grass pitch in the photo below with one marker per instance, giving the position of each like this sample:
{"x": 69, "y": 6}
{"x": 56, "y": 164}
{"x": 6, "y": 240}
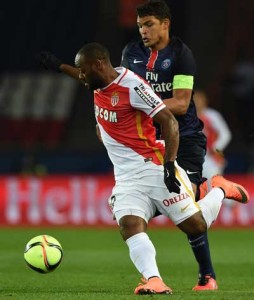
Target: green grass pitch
{"x": 96, "y": 265}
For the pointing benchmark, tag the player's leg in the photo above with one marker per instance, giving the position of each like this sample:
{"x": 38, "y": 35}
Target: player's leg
{"x": 210, "y": 205}
{"x": 191, "y": 217}
{"x": 195, "y": 218}
{"x": 190, "y": 157}
{"x": 232, "y": 190}
{"x": 133, "y": 211}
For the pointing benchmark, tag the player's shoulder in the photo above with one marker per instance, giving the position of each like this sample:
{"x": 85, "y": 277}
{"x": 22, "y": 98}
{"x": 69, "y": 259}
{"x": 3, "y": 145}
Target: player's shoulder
{"x": 134, "y": 46}
{"x": 127, "y": 77}
{"x": 179, "y": 45}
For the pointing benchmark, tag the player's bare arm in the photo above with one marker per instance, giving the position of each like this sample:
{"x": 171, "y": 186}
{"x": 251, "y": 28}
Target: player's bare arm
{"x": 70, "y": 71}
{"x": 180, "y": 101}
{"x": 169, "y": 127}
{"x": 170, "y": 132}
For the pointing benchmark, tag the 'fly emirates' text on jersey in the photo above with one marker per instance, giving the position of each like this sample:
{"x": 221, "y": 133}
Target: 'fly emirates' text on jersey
{"x": 160, "y": 69}
{"x": 124, "y": 111}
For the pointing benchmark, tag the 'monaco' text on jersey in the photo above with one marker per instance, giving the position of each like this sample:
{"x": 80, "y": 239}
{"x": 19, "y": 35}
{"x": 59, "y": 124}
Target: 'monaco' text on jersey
{"x": 105, "y": 114}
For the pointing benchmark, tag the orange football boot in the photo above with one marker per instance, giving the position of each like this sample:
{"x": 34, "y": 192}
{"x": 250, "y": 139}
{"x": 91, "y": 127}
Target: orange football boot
{"x": 206, "y": 284}
{"x": 232, "y": 190}
{"x": 154, "y": 285}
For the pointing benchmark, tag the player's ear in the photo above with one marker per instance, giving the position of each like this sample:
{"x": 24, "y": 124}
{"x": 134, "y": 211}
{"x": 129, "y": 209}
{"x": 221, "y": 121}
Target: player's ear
{"x": 99, "y": 64}
{"x": 166, "y": 23}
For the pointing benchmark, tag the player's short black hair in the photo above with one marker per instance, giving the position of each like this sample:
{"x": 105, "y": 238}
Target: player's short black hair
{"x": 94, "y": 51}
{"x": 156, "y": 8}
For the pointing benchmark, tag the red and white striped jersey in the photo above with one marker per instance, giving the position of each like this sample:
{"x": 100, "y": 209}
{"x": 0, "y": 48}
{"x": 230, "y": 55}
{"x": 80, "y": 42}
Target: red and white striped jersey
{"x": 124, "y": 111}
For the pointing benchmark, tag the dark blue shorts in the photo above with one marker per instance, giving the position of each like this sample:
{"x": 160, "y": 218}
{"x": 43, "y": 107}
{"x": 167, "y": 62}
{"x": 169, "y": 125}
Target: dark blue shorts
{"x": 191, "y": 155}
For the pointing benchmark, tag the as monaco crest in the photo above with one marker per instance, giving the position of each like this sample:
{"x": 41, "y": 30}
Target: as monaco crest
{"x": 114, "y": 99}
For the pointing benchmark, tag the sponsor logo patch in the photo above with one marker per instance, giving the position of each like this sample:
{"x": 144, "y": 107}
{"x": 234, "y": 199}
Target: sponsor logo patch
{"x": 146, "y": 96}
{"x": 166, "y": 64}
{"x": 137, "y": 61}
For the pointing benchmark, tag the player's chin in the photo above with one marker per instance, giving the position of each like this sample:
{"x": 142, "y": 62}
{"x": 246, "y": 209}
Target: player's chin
{"x": 147, "y": 43}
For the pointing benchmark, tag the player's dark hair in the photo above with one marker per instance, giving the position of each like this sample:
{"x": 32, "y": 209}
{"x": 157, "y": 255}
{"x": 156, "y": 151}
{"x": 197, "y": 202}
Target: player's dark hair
{"x": 156, "y": 8}
{"x": 94, "y": 51}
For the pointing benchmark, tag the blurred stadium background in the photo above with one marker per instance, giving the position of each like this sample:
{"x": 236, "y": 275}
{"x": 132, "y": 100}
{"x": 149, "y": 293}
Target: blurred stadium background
{"x": 53, "y": 169}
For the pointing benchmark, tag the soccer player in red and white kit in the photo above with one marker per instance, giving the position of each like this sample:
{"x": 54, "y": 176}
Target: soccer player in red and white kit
{"x": 147, "y": 176}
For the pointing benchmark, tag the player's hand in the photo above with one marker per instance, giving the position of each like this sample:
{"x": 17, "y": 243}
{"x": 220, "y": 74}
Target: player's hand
{"x": 170, "y": 179}
{"x": 49, "y": 61}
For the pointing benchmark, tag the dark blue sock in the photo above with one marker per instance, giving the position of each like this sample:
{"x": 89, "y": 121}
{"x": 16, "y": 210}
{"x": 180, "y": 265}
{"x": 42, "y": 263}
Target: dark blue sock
{"x": 200, "y": 248}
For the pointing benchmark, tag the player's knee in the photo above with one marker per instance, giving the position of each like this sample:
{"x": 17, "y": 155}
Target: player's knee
{"x": 131, "y": 225}
{"x": 194, "y": 225}
{"x": 198, "y": 228}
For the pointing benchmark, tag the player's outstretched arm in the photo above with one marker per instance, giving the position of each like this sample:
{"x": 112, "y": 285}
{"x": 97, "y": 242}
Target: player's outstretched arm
{"x": 50, "y": 62}
{"x": 70, "y": 71}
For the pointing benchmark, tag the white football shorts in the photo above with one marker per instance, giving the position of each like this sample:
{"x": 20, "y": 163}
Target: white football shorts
{"x": 143, "y": 194}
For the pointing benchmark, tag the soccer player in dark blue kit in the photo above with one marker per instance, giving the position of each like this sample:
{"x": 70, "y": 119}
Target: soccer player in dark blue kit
{"x": 167, "y": 63}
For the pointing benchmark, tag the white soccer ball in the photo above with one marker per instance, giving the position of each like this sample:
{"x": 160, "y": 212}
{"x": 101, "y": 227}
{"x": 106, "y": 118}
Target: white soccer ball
{"x": 43, "y": 253}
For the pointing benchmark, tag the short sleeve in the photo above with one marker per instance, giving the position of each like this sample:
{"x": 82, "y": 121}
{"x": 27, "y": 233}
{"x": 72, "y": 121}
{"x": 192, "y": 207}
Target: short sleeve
{"x": 143, "y": 98}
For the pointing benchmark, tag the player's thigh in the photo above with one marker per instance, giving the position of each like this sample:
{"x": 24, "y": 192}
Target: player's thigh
{"x": 178, "y": 207}
{"x": 127, "y": 201}
{"x": 194, "y": 225}
{"x": 191, "y": 156}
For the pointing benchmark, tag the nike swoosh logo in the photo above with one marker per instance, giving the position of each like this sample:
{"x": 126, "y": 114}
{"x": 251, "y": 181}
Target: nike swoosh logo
{"x": 137, "y": 61}
{"x": 189, "y": 172}
{"x": 185, "y": 207}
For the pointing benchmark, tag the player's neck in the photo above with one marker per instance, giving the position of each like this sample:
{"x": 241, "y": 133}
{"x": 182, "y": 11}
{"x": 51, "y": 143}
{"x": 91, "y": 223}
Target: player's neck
{"x": 111, "y": 76}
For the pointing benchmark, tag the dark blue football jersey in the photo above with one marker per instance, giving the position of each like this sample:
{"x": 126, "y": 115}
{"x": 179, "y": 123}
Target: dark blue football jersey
{"x": 159, "y": 69}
